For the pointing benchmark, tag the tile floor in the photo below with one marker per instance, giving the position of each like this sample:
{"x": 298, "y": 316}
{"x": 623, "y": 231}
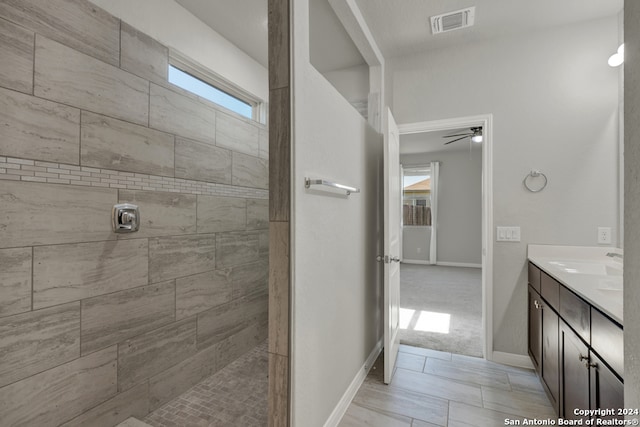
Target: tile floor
{"x": 233, "y": 396}
{"x": 434, "y": 388}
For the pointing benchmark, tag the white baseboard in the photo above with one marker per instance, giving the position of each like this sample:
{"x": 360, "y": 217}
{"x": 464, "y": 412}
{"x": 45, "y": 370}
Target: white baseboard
{"x": 458, "y": 264}
{"x": 512, "y": 359}
{"x": 350, "y": 393}
{"x": 415, "y": 261}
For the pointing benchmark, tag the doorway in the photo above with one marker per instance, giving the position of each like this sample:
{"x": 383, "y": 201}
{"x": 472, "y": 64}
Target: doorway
{"x": 478, "y": 270}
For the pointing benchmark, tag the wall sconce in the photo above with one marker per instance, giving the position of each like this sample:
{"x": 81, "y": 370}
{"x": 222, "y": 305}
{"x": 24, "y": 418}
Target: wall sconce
{"x": 617, "y": 58}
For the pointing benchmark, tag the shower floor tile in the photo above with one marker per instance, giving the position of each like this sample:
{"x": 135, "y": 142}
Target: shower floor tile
{"x": 233, "y": 396}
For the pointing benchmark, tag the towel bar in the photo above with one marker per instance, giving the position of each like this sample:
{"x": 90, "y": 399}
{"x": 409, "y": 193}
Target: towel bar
{"x": 308, "y": 182}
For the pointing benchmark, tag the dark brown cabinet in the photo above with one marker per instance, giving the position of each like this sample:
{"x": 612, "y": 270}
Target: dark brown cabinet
{"x": 576, "y": 350}
{"x": 574, "y": 384}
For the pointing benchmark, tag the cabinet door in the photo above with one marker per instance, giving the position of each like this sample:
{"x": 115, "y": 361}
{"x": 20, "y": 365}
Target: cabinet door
{"x": 535, "y": 329}
{"x": 550, "y": 354}
{"x": 574, "y": 381}
{"x": 607, "y": 391}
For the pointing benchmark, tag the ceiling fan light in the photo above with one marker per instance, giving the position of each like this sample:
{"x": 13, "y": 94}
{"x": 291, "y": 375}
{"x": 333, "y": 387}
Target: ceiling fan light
{"x": 476, "y": 138}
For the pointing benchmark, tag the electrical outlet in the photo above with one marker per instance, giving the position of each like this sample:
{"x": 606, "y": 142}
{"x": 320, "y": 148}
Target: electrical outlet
{"x": 604, "y": 235}
{"x": 419, "y": 250}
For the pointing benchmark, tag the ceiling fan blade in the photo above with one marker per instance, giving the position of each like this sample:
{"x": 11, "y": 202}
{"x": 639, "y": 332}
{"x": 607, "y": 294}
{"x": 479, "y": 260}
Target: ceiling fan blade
{"x": 458, "y": 134}
{"x": 449, "y": 142}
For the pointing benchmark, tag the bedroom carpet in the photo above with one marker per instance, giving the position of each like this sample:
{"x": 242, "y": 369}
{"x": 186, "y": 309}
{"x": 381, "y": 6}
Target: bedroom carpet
{"x": 443, "y": 299}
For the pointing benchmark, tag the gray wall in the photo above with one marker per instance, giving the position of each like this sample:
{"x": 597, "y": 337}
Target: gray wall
{"x": 632, "y": 205}
{"x": 459, "y": 204}
{"x": 94, "y": 326}
{"x": 554, "y": 102}
{"x": 416, "y": 243}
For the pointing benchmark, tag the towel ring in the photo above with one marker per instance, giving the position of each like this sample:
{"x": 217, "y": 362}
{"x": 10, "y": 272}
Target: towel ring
{"x": 534, "y": 174}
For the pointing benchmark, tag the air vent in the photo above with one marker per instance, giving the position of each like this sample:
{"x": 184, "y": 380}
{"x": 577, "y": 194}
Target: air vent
{"x": 453, "y": 20}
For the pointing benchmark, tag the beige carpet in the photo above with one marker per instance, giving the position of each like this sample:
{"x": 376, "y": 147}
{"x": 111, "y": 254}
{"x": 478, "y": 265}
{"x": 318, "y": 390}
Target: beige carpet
{"x": 443, "y": 299}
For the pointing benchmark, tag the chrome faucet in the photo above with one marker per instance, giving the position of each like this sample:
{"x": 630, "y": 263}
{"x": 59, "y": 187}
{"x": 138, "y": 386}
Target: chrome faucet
{"x": 614, "y": 255}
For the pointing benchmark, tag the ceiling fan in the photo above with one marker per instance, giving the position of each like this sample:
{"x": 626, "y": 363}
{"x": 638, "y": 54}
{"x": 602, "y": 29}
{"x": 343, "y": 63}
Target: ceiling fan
{"x": 475, "y": 134}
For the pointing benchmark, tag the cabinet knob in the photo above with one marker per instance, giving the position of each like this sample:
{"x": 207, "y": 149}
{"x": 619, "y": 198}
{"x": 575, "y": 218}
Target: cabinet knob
{"x": 583, "y": 358}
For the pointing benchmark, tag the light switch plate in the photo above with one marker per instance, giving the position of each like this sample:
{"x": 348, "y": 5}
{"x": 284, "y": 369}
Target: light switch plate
{"x": 508, "y": 234}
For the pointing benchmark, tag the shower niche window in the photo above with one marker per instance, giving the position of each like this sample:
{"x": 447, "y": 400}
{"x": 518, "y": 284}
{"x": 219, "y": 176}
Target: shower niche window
{"x": 334, "y": 55}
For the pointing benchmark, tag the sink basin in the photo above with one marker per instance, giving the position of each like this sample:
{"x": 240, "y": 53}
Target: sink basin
{"x": 594, "y": 268}
{"x": 610, "y": 285}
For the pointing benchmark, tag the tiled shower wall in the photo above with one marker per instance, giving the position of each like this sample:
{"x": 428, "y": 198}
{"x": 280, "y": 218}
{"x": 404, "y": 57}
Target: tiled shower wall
{"x": 94, "y": 326}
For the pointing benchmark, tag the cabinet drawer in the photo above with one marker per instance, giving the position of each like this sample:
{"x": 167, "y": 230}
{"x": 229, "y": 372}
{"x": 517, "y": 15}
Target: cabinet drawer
{"x": 576, "y": 313}
{"x": 607, "y": 340}
{"x": 550, "y": 290}
{"x": 534, "y": 277}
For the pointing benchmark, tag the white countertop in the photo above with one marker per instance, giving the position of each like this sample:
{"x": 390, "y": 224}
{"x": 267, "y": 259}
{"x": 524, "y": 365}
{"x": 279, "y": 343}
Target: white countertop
{"x": 587, "y": 271}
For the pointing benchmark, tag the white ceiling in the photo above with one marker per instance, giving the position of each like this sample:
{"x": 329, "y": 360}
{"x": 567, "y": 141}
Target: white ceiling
{"x": 430, "y": 142}
{"x": 403, "y": 27}
{"x": 400, "y": 27}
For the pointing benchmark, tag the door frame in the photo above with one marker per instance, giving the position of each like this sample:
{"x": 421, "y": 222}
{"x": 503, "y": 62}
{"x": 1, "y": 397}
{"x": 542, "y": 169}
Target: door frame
{"x": 486, "y": 121}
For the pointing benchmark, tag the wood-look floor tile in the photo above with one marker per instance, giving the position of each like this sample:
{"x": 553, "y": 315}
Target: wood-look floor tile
{"x": 395, "y": 400}
{"x": 461, "y": 415}
{"x": 478, "y": 362}
{"x": 437, "y": 387}
{"x": 409, "y": 361}
{"x": 478, "y": 377}
{"x": 420, "y": 423}
{"x": 425, "y": 352}
{"x": 527, "y": 404}
{"x": 358, "y": 416}
{"x": 525, "y": 383}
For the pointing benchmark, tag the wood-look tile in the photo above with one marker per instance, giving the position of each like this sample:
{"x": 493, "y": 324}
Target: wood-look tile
{"x": 67, "y": 76}
{"x": 409, "y": 361}
{"x": 51, "y": 220}
{"x": 480, "y": 363}
{"x": 257, "y": 214}
{"x": 38, "y": 340}
{"x": 419, "y": 423}
{"x": 357, "y": 416}
{"x": 112, "y": 318}
{"x": 249, "y": 278}
{"x": 249, "y": 171}
{"x": 182, "y": 115}
{"x": 387, "y": 400}
{"x": 279, "y": 154}
{"x": 202, "y": 161}
{"x": 16, "y": 51}
{"x": 76, "y": 271}
{"x": 133, "y": 402}
{"x": 201, "y": 292}
{"x": 181, "y": 256}
{"x": 437, "y": 387}
{"x": 75, "y": 23}
{"x": 161, "y": 213}
{"x": 225, "y": 320}
{"x": 181, "y": 377}
{"x": 527, "y": 404}
{"x": 153, "y": 352}
{"x": 217, "y": 213}
{"x": 426, "y": 352}
{"x": 278, "y": 44}
{"x": 38, "y": 129}
{"x": 263, "y": 143}
{"x": 525, "y": 383}
{"x": 15, "y": 281}
{"x": 237, "y": 135}
{"x": 133, "y": 422}
{"x": 279, "y": 288}
{"x": 229, "y": 349}
{"x": 142, "y": 55}
{"x": 461, "y": 415}
{"x": 53, "y": 397}
{"x": 452, "y": 371}
{"x": 238, "y": 247}
{"x": 115, "y": 144}
{"x": 263, "y": 243}
{"x": 278, "y": 390}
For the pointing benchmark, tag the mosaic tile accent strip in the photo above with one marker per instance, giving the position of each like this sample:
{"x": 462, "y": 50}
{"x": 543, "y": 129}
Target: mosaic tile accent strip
{"x": 233, "y": 396}
{"x": 17, "y": 169}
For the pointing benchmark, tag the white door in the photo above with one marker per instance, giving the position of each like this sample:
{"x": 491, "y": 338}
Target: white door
{"x": 391, "y": 246}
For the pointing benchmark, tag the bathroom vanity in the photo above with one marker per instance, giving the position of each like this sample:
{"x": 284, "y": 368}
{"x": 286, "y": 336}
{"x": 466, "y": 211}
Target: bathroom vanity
{"x": 575, "y": 334}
